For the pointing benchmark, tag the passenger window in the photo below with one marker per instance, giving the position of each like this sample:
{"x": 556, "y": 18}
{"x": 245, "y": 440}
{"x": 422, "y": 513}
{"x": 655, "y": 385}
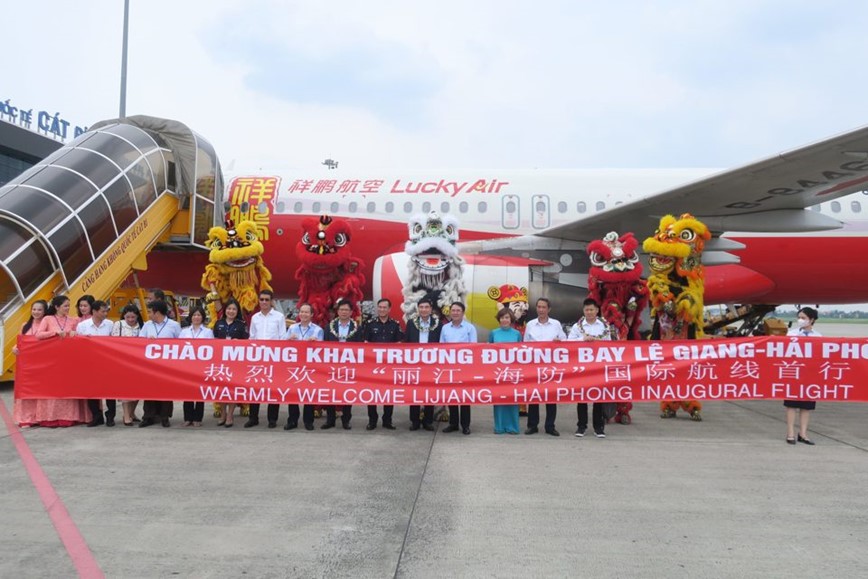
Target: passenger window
{"x": 281, "y": 206}
{"x": 562, "y": 206}
{"x": 856, "y": 206}
{"x": 462, "y": 207}
{"x": 372, "y": 207}
{"x": 600, "y": 205}
{"x": 316, "y": 206}
{"x": 354, "y": 207}
{"x": 334, "y": 207}
{"x": 836, "y": 207}
{"x": 426, "y": 207}
{"x": 408, "y": 207}
{"x": 581, "y": 207}
{"x": 444, "y": 207}
{"x": 297, "y": 207}
{"x": 482, "y": 206}
{"x": 390, "y": 207}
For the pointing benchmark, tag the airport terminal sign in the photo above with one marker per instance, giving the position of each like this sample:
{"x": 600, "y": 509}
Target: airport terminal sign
{"x": 40, "y": 121}
{"x": 284, "y": 372}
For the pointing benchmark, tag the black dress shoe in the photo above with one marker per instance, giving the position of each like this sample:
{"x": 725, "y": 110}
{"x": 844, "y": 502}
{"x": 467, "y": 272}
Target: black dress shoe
{"x": 466, "y": 430}
{"x": 450, "y": 428}
{"x": 165, "y": 422}
{"x": 251, "y": 423}
{"x": 428, "y": 427}
{"x": 291, "y": 426}
{"x": 531, "y": 430}
{"x": 552, "y": 432}
{"x": 272, "y": 424}
{"x": 415, "y": 427}
{"x": 791, "y": 440}
{"x": 308, "y": 426}
{"x": 388, "y": 426}
{"x": 371, "y": 426}
{"x": 109, "y": 421}
{"x": 807, "y": 441}
{"x": 145, "y": 422}
{"x": 229, "y": 425}
{"x": 327, "y": 425}
{"x": 347, "y": 426}
{"x": 95, "y": 422}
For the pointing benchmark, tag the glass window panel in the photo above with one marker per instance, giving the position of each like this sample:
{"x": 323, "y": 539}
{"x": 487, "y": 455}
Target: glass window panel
{"x": 42, "y": 210}
{"x": 562, "y": 206}
{"x": 297, "y": 206}
{"x": 171, "y": 180}
{"x": 334, "y": 207}
{"x": 600, "y": 205}
{"x": 96, "y": 167}
{"x": 120, "y": 199}
{"x": 444, "y": 207}
{"x": 143, "y": 187}
{"x": 353, "y": 206}
{"x": 856, "y": 206}
{"x": 390, "y": 207}
{"x": 56, "y": 156}
{"x": 408, "y": 207}
{"x": 281, "y": 206}
{"x": 70, "y": 243}
{"x": 206, "y": 169}
{"x": 316, "y": 206}
{"x": 371, "y": 207}
{"x": 12, "y": 236}
{"x": 68, "y": 186}
{"x": 8, "y": 292}
{"x": 836, "y": 207}
{"x": 98, "y": 223}
{"x": 31, "y": 268}
{"x": 118, "y": 150}
{"x": 158, "y": 170}
{"x": 426, "y": 207}
{"x": 203, "y": 220}
{"x": 462, "y": 207}
{"x": 482, "y": 206}
{"x": 138, "y": 137}
{"x": 581, "y": 207}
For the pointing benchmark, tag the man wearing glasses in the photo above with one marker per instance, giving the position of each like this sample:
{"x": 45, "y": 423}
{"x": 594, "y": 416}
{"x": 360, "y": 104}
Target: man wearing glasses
{"x": 266, "y": 324}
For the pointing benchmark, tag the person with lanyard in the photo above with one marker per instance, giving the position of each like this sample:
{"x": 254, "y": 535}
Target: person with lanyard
{"x": 423, "y": 329}
{"x": 458, "y": 331}
{"x": 196, "y": 329}
{"x": 129, "y": 326}
{"x": 505, "y": 415}
{"x": 805, "y": 329}
{"x": 305, "y": 331}
{"x": 98, "y": 325}
{"x": 24, "y": 409}
{"x": 590, "y": 328}
{"x": 266, "y": 324}
{"x": 230, "y": 327}
{"x": 543, "y": 329}
{"x": 382, "y": 330}
{"x": 158, "y": 327}
{"x": 342, "y": 329}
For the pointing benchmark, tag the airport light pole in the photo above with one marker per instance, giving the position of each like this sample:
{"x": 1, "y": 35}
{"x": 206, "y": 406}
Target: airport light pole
{"x": 123, "y": 106}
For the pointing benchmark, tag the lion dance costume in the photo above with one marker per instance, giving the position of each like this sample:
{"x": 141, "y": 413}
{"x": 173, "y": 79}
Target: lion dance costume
{"x": 515, "y": 299}
{"x": 615, "y": 282}
{"x": 436, "y": 269}
{"x": 328, "y": 271}
{"x": 236, "y": 270}
{"x": 677, "y": 287}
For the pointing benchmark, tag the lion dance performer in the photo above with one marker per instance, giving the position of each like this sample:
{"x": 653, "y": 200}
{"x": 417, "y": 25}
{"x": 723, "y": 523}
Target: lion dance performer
{"x": 615, "y": 282}
{"x": 677, "y": 287}
{"x": 328, "y": 270}
{"x": 236, "y": 270}
{"x": 436, "y": 269}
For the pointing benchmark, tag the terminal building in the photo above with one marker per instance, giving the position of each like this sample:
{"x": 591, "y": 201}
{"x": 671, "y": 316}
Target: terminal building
{"x": 20, "y": 149}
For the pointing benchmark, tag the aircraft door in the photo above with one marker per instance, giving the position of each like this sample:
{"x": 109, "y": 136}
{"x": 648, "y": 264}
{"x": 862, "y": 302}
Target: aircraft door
{"x": 510, "y": 216}
{"x": 541, "y": 208}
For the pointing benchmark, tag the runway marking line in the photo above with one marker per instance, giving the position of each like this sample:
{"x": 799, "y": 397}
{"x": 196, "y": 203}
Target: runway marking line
{"x": 76, "y": 546}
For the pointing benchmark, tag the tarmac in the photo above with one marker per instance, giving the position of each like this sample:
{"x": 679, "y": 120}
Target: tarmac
{"x": 726, "y": 497}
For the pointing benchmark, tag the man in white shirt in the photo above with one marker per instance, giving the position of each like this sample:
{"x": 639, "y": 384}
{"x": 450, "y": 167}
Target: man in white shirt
{"x": 457, "y": 331}
{"x": 305, "y": 331}
{"x": 98, "y": 325}
{"x": 159, "y": 326}
{"x": 266, "y": 324}
{"x": 590, "y": 328}
{"x": 543, "y": 329}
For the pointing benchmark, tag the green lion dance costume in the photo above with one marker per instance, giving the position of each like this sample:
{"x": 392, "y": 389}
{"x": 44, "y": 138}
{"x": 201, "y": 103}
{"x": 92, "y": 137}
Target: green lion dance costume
{"x": 676, "y": 286}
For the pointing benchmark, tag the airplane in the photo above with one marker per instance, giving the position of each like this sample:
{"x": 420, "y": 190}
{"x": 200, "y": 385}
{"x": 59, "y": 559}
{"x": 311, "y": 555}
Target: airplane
{"x": 788, "y": 229}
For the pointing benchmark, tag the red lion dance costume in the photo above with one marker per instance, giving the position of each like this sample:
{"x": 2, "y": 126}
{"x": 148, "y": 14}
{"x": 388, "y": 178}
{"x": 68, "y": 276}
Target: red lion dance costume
{"x": 615, "y": 282}
{"x": 328, "y": 270}
{"x": 677, "y": 287}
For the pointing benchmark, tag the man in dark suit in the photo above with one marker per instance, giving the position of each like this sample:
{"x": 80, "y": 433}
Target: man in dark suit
{"x": 342, "y": 329}
{"x": 382, "y": 330}
{"x": 423, "y": 329}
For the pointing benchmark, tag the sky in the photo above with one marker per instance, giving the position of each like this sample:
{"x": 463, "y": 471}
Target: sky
{"x": 455, "y": 84}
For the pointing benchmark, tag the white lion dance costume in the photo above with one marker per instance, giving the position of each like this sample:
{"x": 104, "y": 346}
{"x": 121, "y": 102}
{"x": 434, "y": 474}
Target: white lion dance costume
{"x": 436, "y": 269}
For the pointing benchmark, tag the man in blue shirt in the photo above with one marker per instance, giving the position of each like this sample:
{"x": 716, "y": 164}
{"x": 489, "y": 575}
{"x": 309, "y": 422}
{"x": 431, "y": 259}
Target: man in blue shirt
{"x": 458, "y": 331}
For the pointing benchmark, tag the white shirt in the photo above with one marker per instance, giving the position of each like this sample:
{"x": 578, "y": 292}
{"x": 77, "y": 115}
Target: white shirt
{"x": 88, "y": 328}
{"x": 795, "y": 332}
{"x": 582, "y": 330}
{"x": 547, "y": 332}
{"x": 267, "y": 327}
{"x": 169, "y": 328}
{"x": 198, "y": 334}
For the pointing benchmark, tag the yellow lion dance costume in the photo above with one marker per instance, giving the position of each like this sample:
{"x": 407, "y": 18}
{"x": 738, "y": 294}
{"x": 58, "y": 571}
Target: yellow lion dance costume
{"x": 677, "y": 288}
{"x": 236, "y": 270}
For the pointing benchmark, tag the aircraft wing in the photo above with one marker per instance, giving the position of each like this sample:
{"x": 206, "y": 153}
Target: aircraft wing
{"x": 766, "y": 196}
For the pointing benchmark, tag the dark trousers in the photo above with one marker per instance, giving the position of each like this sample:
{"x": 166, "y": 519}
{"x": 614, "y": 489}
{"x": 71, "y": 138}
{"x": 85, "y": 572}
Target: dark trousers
{"x": 414, "y": 415}
{"x": 463, "y": 412}
{"x": 153, "y": 409}
{"x": 306, "y": 415}
{"x": 533, "y": 416}
{"x": 273, "y": 411}
{"x": 387, "y": 414}
{"x": 194, "y": 411}
{"x": 597, "y": 416}
{"x": 332, "y": 414}
{"x": 111, "y": 409}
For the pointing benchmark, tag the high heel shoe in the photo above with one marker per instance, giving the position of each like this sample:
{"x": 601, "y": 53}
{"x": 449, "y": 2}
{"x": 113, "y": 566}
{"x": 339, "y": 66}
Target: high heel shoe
{"x": 221, "y": 423}
{"x": 807, "y": 441}
{"x": 791, "y": 440}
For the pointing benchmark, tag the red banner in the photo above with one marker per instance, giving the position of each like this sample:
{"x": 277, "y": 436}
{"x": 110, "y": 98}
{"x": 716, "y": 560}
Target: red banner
{"x": 283, "y": 372}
